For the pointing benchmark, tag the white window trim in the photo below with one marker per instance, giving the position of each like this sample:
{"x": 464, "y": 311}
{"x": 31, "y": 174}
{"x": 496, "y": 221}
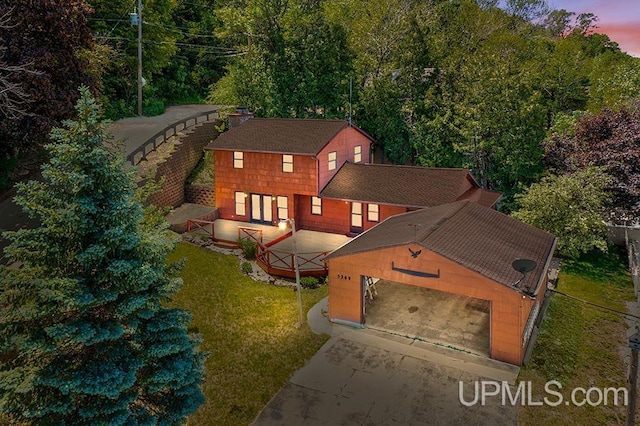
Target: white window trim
{"x": 240, "y": 199}
{"x": 283, "y": 207}
{"x": 375, "y": 211}
{"x": 317, "y": 205}
{"x": 357, "y": 213}
{"x": 333, "y": 162}
{"x": 357, "y": 154}
{"x": 238, "y": 160}
{"x": 287, "y": 163}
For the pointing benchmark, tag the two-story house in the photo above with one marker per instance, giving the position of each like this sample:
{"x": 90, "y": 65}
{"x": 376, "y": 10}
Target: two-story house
{"x": 319, "y": 173}
{"x": 271, "y": 169}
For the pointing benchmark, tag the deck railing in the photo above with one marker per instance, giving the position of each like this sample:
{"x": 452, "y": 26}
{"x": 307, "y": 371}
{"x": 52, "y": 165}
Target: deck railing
{"x": 280, "y": 262}
{"x": 273, "y": 261}
{"x": 196, "y": 224}
{"x": 254, "y": 234}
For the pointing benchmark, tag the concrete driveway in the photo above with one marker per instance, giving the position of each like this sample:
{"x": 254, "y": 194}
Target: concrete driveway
{"x": 431, "y": 315}
{"x": 366, "y": 377}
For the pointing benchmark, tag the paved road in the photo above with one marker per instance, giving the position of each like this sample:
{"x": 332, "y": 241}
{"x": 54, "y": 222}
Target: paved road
{"x": 133, "y": 131}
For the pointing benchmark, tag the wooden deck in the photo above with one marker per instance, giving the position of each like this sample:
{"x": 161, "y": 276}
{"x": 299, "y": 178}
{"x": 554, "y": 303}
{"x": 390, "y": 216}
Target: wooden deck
{"x": 275, "y": 246}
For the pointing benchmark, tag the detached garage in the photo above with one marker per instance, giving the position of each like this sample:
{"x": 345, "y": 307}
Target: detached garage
{"x": 470, "y": 276}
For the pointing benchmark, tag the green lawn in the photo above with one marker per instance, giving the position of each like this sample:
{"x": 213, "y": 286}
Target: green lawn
{"x": 249, "y": 330}
{"x": 580, "y": 345}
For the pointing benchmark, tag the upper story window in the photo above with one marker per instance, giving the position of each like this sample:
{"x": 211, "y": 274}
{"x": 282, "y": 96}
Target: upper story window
{"x": 333, "y": 160}
{"x": 238, "y": 159}
{"x": 287, "y": 163}
{"x": 357, "y": 154}
{"x": 316, "y": 206}
{"x": 373, "y": 213}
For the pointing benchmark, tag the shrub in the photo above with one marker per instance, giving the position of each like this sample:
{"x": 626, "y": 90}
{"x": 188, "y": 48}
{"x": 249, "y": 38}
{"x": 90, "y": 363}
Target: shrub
{"x": 569, "y": 207}
{"x": 309, "y": 282}
{"x": 249, "y": 248}
{"x": 246, "y": 268}
{"x": 153, "y": 107}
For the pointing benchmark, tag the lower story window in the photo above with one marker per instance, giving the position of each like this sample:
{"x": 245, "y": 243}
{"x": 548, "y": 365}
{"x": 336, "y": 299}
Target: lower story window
{"x": 316, "y": 206}
{"x": 283, "y": 208}
{"x": 356, "y": 215}
{"x": 240, "y": 203}
{"x": 373, "y": 213}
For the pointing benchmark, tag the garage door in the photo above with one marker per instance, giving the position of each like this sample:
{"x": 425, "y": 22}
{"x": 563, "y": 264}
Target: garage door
{"x": 434, "y": 316}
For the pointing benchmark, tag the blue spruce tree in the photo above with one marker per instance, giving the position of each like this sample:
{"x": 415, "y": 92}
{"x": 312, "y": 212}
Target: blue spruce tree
{"x": 86, "y": 336}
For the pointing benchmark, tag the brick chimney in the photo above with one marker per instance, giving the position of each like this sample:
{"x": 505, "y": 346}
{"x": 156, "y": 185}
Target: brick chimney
{"x": 238, "y": 117}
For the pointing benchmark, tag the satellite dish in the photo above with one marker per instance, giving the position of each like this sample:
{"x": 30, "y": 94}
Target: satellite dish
{"x": 524, "y": 265}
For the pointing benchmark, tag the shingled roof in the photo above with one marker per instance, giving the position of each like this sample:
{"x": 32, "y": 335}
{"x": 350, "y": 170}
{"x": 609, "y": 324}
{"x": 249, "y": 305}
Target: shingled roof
{"x": 405, "y": 185}
{"x": 476, "y": 237}
{"x": 281, "y": 135}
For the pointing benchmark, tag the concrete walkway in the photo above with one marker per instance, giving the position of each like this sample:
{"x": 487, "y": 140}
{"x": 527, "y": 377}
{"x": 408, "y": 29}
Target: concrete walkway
{"x": 364, "y": 377}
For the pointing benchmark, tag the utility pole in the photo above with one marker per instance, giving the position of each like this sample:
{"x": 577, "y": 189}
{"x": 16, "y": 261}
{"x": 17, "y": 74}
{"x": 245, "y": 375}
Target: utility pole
{"x": 140, "y": 57}
{"x": 634, "y": 344}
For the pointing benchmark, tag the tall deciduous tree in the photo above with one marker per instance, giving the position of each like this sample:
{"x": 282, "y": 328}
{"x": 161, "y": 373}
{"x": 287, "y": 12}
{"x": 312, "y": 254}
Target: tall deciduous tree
{"x": 484, "y": 109}
{"x": 84, "y": 329}
{"x": 570, "y": 207}
{"x": 610, "y": 140}
{"x": 111, "y": 27}
{"x": 296, "y": 63}
{"x": 13, "y": 98}
{"x": 45, "y": 36}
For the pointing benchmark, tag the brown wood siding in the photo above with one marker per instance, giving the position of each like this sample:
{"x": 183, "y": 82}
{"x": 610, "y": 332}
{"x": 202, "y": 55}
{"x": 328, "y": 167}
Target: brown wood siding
{"x": 336, "y": 215}
{"x": 343, "y": 144}
{"x": 509, "y": 309}
{"x": 262, "y": 174}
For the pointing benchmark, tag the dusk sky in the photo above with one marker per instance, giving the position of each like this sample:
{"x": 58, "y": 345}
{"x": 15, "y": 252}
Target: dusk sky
{"x": 619, "y": 19}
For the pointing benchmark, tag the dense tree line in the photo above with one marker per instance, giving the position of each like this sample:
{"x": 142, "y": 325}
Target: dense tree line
{"x": 437, "y": 83}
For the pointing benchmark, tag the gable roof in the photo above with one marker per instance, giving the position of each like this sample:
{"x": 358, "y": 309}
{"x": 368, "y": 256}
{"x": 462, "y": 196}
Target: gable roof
{"x": 405, "y": 185}
{"x": 280, "y": 135}
{"x": 476, "y": 237}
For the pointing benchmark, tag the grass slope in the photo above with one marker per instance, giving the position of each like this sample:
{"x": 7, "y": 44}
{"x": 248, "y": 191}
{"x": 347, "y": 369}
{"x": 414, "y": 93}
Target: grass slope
{"x": 249, "y": 330}
{"x": 581, "y": 345}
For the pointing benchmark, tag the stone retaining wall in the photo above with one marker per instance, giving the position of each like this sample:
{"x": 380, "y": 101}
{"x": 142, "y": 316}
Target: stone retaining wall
{"x": 200, "y": 194}
{"x": 176, "y": 168}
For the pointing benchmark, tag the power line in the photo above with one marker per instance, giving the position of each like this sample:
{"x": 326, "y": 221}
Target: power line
{"x": 220, "y": 52}
{"x": 105, "y": 19}
{"x": 175, "y": 29}
{"x": 117, "y": 21}
{"x": 177, "y": 43}
{"x": 636, "y": 317}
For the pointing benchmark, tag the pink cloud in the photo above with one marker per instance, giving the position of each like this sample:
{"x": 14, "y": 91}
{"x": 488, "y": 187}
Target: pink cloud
{"x": 619, "y": 19}
{"x": 627, "y": 35}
